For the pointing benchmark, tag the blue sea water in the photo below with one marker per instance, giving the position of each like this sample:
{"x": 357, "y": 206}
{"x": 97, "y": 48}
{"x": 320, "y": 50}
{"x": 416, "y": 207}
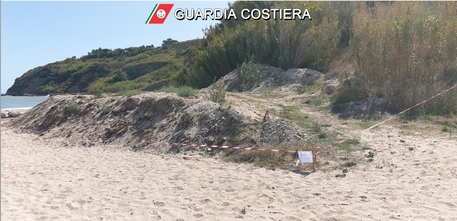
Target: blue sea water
{"x": 9, "y": 102}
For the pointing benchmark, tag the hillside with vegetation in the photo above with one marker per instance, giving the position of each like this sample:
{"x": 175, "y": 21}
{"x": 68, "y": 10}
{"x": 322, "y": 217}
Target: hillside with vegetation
{"x": 401, "y": 52}
{"x": 393, "y": 53}
{"x": 107, "y": 71}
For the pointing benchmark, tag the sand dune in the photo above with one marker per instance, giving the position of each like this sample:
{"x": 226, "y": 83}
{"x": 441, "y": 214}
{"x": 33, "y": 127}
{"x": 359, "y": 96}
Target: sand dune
{"x": 46, "y": 180}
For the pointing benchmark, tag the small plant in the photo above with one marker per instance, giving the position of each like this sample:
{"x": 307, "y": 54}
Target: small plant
{"x": 218, "y": 94}
{"x": 341, "y": 175}
{"x": 349, "y": 144}
{"x": 106, "y": 110}
{"x": 286, "y": 110}
{"x": 73, "y": 108}
{"x": 249, "y": 74}
{"x": 411, "y": 148}
{"x": 350, "y": 164}
{"x": 345, "y": 170}
{"x": 183, "y": 91}
{"x": 444, "y": 128}
{"x": 364, "y": 125}
{"x": 316, "y": 128}
{"x": 369, "y": 155}
{"x": 322, "y": 135}
{"x": 308, "y": 88}
{"x": 189, "y": 119}
{"x": 96, "y": 92}
{"x": 127, "y": 93}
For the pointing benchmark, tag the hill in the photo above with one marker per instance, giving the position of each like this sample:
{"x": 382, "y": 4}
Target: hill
{"x": 399, "y": 53}
{"x": 106, "y": 70}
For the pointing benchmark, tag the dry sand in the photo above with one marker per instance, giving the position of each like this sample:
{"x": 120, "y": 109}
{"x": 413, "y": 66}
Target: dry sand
{"x": 45, "y": 180}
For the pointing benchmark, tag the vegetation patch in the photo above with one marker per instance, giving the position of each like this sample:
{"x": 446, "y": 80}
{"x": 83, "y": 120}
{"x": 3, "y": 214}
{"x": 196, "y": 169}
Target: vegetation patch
{"x": 289, "y": 112}
{"x": 73, "y": 108}
{"x": 106, "y": 110}
{"x": 183, "y": 91}
{"x": 217, "y": 95}
{"x": 271, "y": 160}
{"x": 308, "y": 88}
{"x": 189, "y": 119}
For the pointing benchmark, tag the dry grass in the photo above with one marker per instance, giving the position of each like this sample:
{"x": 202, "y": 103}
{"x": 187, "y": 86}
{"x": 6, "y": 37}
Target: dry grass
{"x": 271, "y": 160}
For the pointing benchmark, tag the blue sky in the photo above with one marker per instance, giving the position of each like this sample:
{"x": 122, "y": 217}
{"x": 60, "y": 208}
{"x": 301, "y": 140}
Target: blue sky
{"x": 37, "y": 33}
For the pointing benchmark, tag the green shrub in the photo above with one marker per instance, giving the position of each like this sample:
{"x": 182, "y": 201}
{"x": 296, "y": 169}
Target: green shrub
{"x": 308, "y": 88}
{"x": 249, "y": 75}
{"x": 106, "y": 110}
{"x": 73, "y": 108}
{"x": 98, "y": 93}
{"x": 218, "y": 94}
{"x": 126, "y": 93}
{"x": 189, "y": 119}
{"x": 183, "y": 91}
{"x": 407, "y": 58}
{"x": 276, "y": 43}
{"x": 322, "y": 135}
{"x": 349, "y": 144}
{"x": 350, "y": 164}
{"x": 370, "y": 154}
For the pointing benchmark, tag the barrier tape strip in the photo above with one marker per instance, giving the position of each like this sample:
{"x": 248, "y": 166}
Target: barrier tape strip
{"x": 396, "y": 115}
{"x": 408, "y": 109}
{"x": 213, "y": 146}
{"x": 291, "y": 151}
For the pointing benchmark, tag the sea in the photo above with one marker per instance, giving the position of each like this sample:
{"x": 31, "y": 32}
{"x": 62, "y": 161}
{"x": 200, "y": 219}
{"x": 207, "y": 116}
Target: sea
{"x": 12, "y": 102}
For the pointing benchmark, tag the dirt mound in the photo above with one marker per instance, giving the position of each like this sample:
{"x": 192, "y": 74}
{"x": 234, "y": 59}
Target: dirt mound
{"x": 257, "y": 77}
{"x": 370, "y": 108}
{"x": 151, "y": 117}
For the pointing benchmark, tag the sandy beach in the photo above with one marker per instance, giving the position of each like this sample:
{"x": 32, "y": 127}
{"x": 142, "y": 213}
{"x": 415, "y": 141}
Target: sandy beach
{"x": 47, "y": 180}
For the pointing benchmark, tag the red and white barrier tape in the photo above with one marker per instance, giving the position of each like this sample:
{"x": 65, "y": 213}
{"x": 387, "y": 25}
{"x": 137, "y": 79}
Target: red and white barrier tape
{"x": 293, "y": 151}
{"x": 408, "y": 109}
{"x": 214, "y": 146}
{"x": 396, "y": 115}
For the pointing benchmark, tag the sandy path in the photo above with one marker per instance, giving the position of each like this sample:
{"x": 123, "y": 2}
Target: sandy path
{"x": 42, "y": 180}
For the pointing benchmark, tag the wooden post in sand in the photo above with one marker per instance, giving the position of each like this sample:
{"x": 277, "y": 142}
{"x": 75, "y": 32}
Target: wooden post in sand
{"x": 314, "y": 162}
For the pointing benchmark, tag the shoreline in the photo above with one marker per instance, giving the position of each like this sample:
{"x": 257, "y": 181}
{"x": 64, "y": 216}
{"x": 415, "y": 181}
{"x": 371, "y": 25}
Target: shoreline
{"x": 8, "y": 114}
{"x": 24, "y": 109}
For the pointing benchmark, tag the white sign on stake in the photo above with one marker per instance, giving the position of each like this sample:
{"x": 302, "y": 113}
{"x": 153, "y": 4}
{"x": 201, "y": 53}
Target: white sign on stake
{"x": 305, "y": 156}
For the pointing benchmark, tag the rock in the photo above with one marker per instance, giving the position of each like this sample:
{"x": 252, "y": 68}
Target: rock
{"x": 4, "y": 115}
{"x": 14, "y": 114}
{"x": 331, "y": 86}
